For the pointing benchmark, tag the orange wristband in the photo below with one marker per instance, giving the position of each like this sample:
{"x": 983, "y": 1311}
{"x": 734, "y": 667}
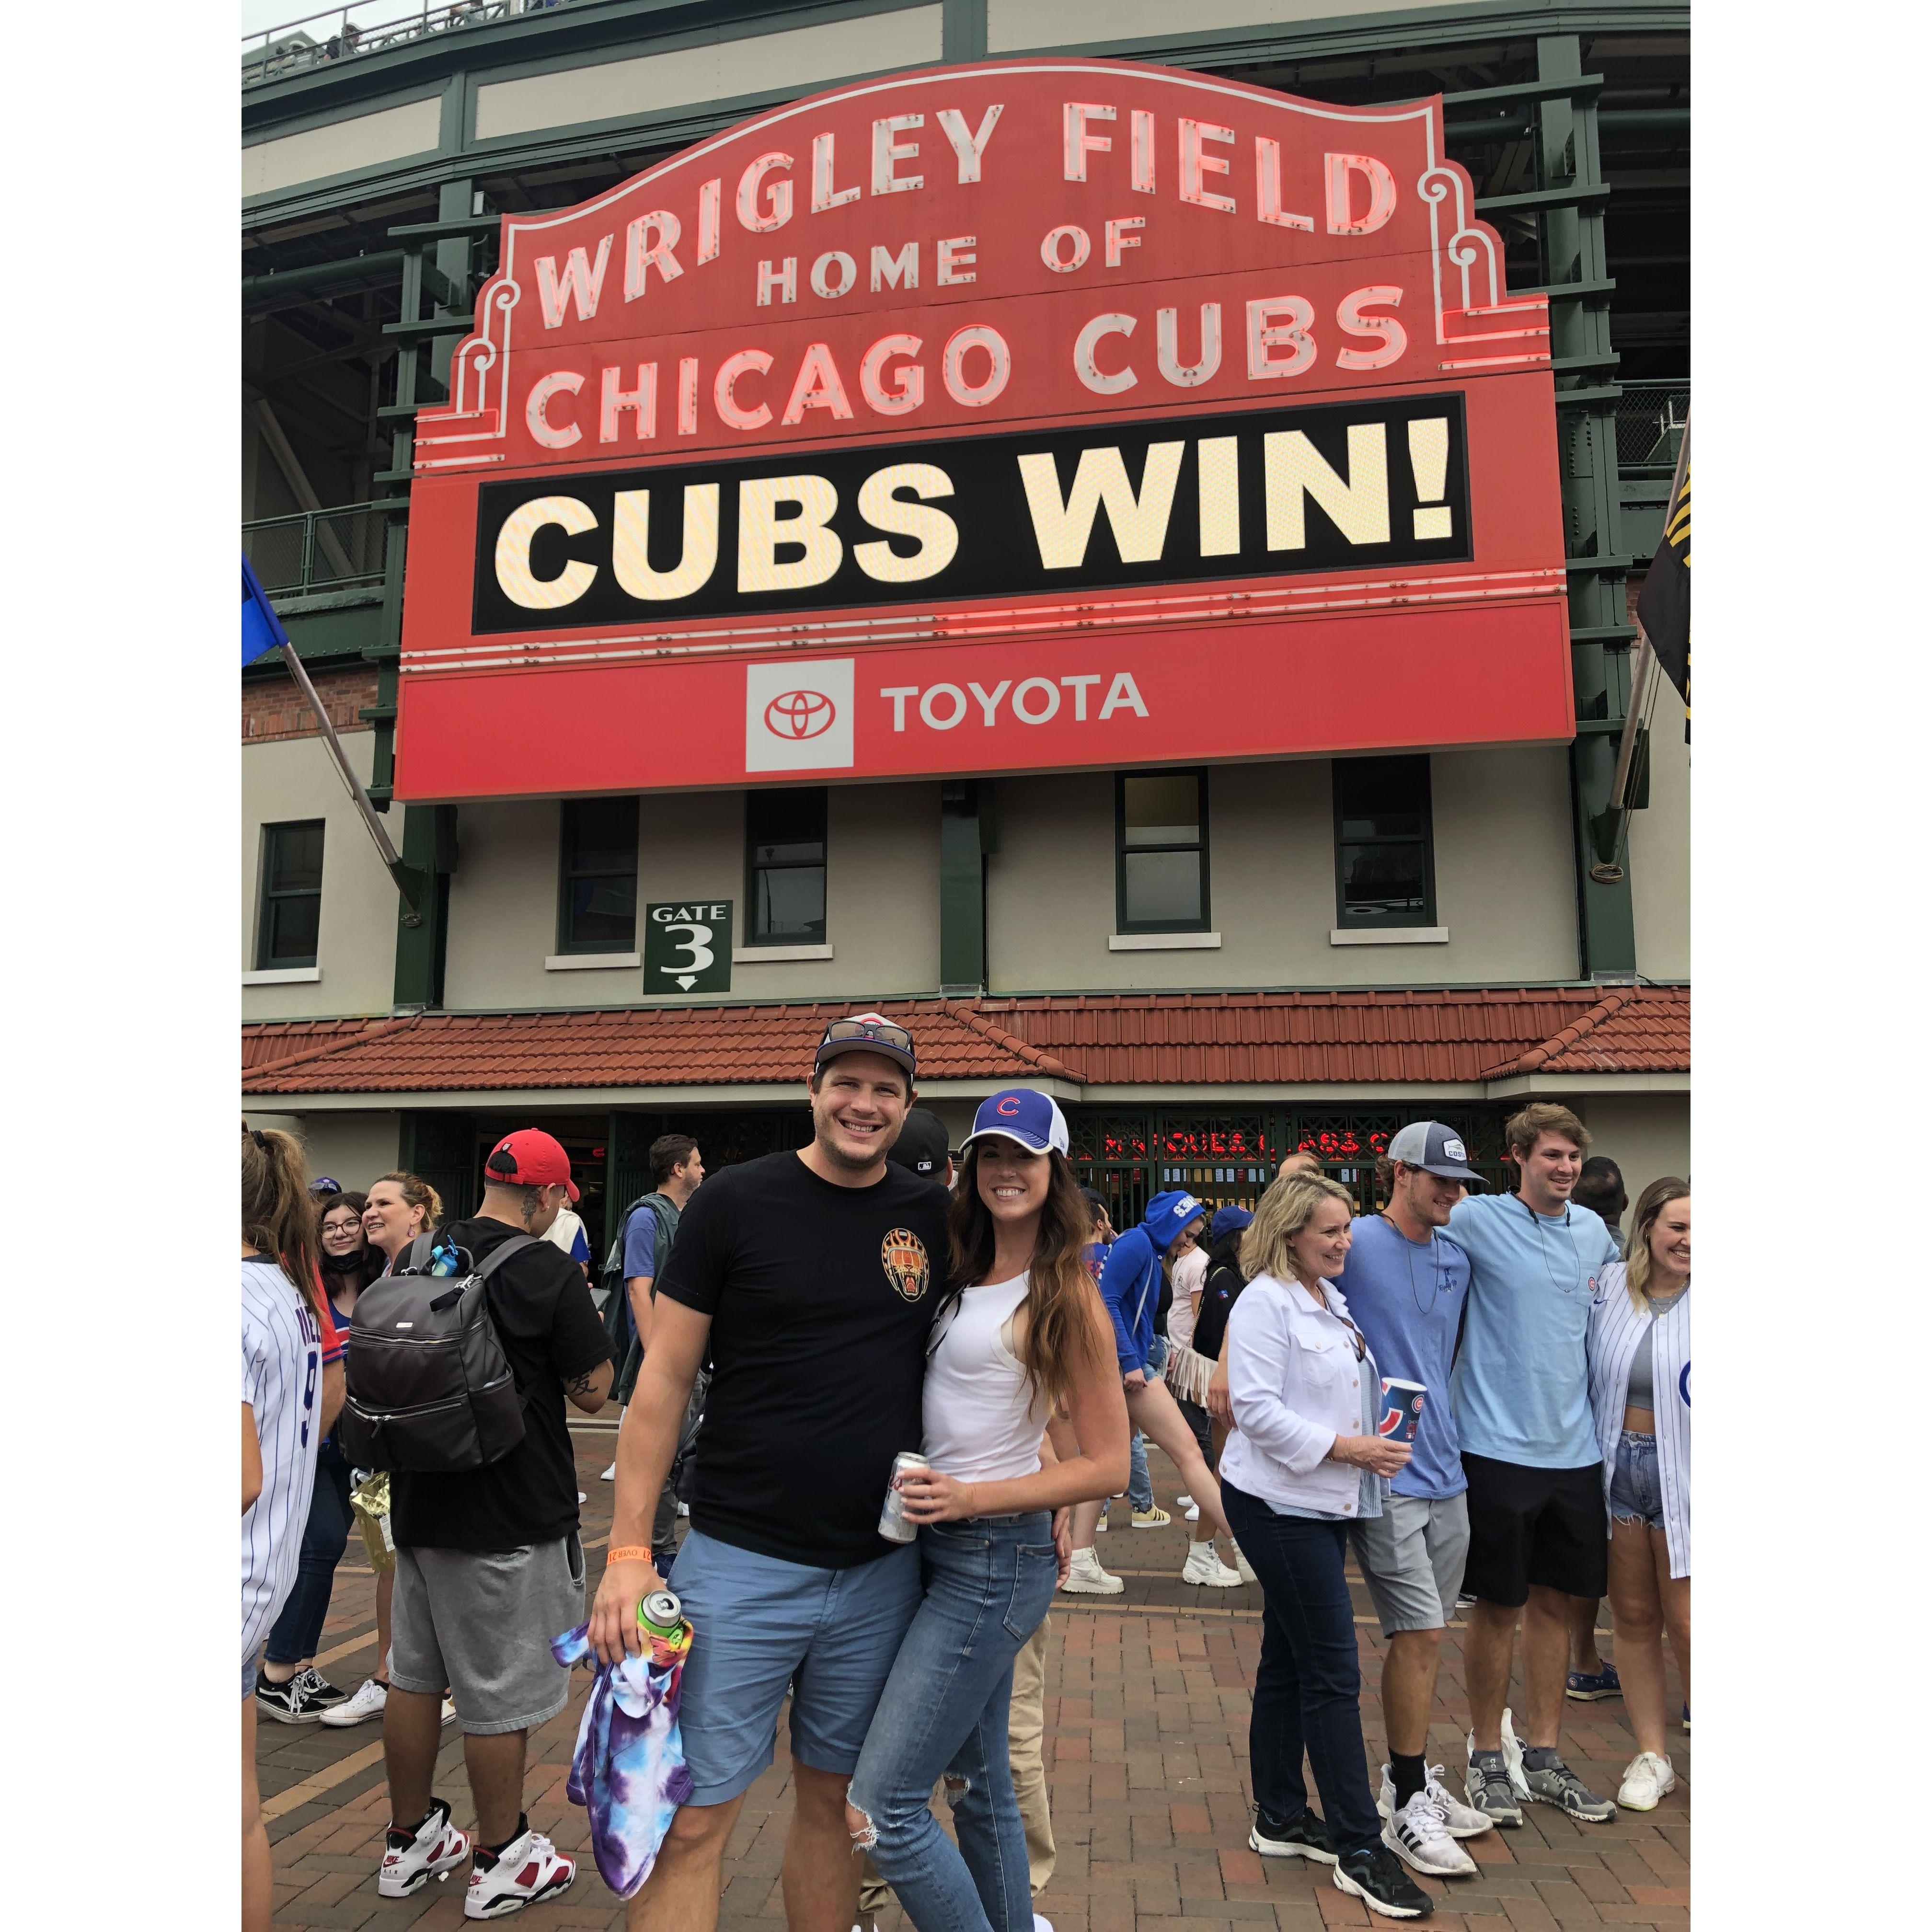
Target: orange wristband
{"x": 630, "y": 1553}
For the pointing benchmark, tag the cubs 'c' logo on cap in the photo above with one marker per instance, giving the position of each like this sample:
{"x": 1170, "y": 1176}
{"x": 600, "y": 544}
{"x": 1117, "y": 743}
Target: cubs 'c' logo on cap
{"x": 903, "y": 1256}
{"x": 1007, "y": 1106}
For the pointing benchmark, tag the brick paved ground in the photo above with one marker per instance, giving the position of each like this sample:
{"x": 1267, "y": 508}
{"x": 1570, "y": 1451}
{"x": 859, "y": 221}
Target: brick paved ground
{"x": 1147, "y": 1719}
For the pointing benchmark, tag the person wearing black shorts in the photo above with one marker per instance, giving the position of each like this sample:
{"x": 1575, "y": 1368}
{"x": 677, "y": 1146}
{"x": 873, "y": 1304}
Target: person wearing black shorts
{"x": 1538, "y": 1538}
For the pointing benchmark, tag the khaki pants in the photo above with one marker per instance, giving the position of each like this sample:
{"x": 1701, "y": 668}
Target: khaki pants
{"x": 1026, "y": 1724}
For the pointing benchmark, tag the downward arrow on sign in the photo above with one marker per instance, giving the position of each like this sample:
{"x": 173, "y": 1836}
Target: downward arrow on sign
{"x": 687, "y": 980}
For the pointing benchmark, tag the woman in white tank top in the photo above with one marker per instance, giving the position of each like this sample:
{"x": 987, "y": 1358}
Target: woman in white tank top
{"x": 1021, "y": 1343}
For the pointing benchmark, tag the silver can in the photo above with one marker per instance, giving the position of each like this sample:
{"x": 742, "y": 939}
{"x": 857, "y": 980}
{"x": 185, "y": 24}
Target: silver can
{"x": 893, "y": 1524}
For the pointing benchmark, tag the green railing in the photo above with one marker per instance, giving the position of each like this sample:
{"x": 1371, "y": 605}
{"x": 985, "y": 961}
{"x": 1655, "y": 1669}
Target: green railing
{"x": 1651, "y": 417}
{"x": 317, "y": 549}
{"x": 365, "y": 27}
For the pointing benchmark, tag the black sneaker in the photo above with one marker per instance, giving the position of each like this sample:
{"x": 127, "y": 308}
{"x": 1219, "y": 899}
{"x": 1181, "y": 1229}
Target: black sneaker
{"x": 1372, "y": 1875}
{"x": 288, "y": 1703}
{"x": 323, "y": 1694}
{"x": 1303, "y": 1837}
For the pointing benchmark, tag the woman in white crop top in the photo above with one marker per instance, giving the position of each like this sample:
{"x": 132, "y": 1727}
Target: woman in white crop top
{"x": 1021, "y": 1341}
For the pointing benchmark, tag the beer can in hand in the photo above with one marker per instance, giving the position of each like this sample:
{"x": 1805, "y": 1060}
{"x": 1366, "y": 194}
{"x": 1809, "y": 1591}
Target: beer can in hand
{"x": 893, "y": 1524}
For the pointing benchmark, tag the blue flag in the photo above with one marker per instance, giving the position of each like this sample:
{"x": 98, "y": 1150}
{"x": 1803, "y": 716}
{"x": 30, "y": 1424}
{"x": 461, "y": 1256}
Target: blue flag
{"x": 261, "y": 628}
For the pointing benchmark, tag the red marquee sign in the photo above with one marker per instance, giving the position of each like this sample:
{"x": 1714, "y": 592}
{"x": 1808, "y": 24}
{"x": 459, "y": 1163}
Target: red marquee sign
{"x": 1020, "y": 416}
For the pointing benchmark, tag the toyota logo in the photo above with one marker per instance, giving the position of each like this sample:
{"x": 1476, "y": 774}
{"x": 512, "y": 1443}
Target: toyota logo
{"x": 800, "y": 714}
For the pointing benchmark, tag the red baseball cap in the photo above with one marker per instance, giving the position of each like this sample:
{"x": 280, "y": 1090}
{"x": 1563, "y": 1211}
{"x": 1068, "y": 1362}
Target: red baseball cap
{"x": 529, "y": 1158}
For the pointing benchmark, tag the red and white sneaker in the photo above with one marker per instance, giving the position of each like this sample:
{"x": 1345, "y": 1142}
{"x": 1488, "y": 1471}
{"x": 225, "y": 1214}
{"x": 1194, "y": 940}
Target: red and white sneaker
{"x": 530, "y": 1868}
{"x": 410, "y": 1864}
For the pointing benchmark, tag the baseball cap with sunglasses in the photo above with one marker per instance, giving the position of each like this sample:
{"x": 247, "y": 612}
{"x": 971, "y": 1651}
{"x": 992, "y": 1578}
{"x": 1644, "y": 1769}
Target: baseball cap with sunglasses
{"x": 866, "y": 1033}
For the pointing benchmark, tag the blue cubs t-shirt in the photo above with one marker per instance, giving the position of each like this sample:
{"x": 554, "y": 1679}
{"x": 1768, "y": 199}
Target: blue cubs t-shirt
{"x": 1522, "y": 1384}
{"x": 1406, "y": 1297}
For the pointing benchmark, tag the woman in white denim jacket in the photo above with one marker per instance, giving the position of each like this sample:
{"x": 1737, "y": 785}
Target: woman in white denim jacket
{"x": 1303, "y": 1462}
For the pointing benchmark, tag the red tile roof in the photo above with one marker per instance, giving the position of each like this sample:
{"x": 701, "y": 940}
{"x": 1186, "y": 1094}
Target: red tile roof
{"x": 1632, "y": 1029}
{"x": 1111, "y": 1039}
{"x": 683, "y": 1046}
{"x": 265, "y": 1041}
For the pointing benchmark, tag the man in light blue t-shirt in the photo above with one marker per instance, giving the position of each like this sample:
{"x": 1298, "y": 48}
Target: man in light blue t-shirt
{"x": 1538, "y": 1535}
{"x": 1406, "y": 1281}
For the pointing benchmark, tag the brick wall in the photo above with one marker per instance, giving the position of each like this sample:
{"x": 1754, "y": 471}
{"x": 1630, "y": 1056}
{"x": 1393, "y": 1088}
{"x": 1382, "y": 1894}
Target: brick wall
{"x": 274, "y": 707}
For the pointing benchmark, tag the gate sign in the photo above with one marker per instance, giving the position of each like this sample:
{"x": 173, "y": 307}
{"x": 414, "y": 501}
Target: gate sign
{"x": 1029, "y": 414}
{"x": 687, "y": 947}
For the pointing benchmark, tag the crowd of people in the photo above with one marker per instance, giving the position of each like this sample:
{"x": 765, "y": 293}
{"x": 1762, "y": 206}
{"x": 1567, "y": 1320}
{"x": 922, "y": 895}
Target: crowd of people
{"x": 895, "y": 1400}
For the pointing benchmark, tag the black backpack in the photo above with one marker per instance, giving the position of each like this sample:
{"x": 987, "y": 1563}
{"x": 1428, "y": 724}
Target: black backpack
{"x": 617, "y": 1325}
{"x": 429, "y": 1386}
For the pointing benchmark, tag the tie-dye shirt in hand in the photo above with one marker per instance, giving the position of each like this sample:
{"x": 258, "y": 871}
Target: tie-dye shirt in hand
{"x": 629, "y": 1772}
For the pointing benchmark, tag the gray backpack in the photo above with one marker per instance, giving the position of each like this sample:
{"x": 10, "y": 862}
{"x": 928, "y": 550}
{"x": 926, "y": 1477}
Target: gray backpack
{"x": 429, "y": 1386}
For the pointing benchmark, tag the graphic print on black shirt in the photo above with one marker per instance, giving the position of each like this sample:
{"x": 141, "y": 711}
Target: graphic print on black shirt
{"x": 551, "y": 1334}
{"x": 819, "y": 1298}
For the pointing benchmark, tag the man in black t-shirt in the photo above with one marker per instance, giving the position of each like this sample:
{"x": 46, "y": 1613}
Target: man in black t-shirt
{"x": 488, "y": 1565}
{"x": 812, "y": 1277}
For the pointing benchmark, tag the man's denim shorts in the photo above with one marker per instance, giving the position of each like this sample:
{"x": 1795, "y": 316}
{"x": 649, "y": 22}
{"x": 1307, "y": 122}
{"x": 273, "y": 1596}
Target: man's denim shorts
{"x": 760, "y": 1626}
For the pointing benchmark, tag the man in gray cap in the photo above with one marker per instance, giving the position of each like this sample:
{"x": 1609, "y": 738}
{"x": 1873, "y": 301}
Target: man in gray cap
{"x": 1406, "y": 1281}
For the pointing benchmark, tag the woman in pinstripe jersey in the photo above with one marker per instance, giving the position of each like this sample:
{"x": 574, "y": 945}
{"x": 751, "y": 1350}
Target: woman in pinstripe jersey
{"x": 288, "y": 1402}
{"x": 1639, "y": 1349}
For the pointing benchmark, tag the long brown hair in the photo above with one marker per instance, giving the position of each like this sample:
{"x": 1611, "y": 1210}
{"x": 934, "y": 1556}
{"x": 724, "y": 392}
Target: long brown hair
{"x": 1651, "y": 1203}
{"x": 1065, "y": 1324}
{"x": 278, "y": 1218}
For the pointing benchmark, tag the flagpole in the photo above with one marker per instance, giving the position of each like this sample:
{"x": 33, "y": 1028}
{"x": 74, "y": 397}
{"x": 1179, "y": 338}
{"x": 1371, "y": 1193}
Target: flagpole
{"x": 1640, "y": 665}
{"x": 404, "y": 876}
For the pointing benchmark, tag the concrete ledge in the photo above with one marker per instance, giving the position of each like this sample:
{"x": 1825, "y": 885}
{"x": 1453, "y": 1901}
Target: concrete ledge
{"x": 283, "y": 976}
{"x": 591, "y": 962}
{"x": 776, "y": 955}
{"x": 1389, "y": 935}
{"x": 1163, "y": 942}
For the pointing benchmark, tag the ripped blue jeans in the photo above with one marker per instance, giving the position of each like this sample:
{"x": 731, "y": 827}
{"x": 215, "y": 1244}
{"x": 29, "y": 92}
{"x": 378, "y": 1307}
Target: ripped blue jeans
{"x": 1636, "y": 1489}
{"x": 988, "y": 1581}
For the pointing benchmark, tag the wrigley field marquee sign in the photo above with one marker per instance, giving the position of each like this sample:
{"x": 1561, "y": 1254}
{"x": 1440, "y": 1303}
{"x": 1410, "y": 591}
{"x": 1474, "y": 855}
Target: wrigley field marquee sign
{"x": 1020, "y": 416}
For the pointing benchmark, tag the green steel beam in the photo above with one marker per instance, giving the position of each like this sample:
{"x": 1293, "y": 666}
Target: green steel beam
{"x": 429, "y": 848}
{"x": 1569, "y": 203}
{"x": 962, "y": 890}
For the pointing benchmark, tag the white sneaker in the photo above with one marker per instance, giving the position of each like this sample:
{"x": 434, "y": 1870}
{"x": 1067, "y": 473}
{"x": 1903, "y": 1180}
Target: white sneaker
{"x": 1418, "y": 1834}
{"x": 410, "y": 1865}
{"x": 1646, "y": 1778}
{"x": 368, "y": 1702}
{"x": 530, "y": 1868}
{"x": 611, "y": 1476}
{"x": 1086, "y": 1578}
{"x": 1463, "y": 1821}
{"x": 1040, "y": 1925}
{"x": 1193, "y": 1512}
{"x": 584, "y": 1495}
{"x": 1203, "y": 1566}
{"x": 684, "y": 1509}
{"x": 448, "y": 1711}
{"x": 1100, "y": 1528}
{"x": 1185, "y": 1503}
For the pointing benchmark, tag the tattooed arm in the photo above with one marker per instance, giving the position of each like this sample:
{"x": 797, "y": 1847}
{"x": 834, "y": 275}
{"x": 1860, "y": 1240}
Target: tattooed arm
{"x": 587, "y": 1391}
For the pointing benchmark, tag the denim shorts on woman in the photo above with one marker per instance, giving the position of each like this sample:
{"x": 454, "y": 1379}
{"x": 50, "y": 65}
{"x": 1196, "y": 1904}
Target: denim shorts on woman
{"x": 761, "y": 1626}
{"x": 1636, "y": 1489}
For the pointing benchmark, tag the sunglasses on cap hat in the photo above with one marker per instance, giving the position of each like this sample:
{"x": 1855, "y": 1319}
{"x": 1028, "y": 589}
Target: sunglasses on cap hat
{"x": 865, "y": 1033}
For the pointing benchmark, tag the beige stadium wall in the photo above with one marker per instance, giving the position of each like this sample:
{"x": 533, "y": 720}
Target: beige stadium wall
{"x": 1647, "y": 1135}
{"x": 293, "y": 778}
{"x": 351, "y": 1147}
{"x": 882, "y": 898}
{"x": 1505, "y": 888}
{"x": 1659, "y": 849}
